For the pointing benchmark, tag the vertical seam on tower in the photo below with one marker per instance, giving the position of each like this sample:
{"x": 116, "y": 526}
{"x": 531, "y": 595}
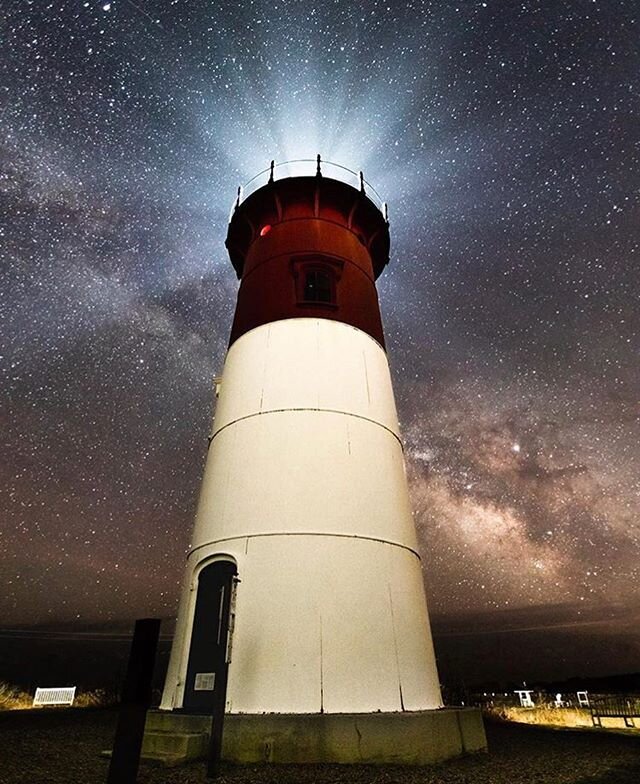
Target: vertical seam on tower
{"x": 366, "y": 376}
{"x": 226, "y": 485}
{"x": 395, "y": 645}
{"x": 321, "y": 671}
{"x": 264, "y": 367}
{"x": 318, "y": 355}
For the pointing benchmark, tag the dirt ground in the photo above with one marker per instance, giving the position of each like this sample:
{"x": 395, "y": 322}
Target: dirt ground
{"x": 62, "y": 747}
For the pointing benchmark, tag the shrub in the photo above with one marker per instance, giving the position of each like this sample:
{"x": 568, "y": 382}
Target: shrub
{"x": 13, "y": 698}
{"x": 92, "y": 699}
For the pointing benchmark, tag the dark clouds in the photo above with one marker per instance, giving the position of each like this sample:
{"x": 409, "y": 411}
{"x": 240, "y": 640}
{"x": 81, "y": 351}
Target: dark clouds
{"x": 504, "y": 137}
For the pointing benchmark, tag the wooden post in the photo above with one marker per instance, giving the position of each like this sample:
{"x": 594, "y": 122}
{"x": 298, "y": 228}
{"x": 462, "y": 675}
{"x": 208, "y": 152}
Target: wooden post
{"x": 136, "y": 698}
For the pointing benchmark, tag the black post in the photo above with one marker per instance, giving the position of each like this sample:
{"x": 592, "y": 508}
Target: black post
{"x": 215, "y": 742}
{"x": 217, "y": 720}
{"x": 136, "y": 698}
{"x": 227, "y": 616}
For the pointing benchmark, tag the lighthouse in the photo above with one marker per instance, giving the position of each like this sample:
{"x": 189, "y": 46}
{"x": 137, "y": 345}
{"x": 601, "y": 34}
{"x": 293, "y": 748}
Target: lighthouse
{"x": 303, "y": 610}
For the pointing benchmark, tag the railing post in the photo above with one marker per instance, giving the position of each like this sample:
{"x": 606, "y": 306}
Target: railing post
{"x": 318, "y": 172}
{"x": 272, "y": 167}
{"x": 361, "y": 182}
{"x": 136, "y": 698}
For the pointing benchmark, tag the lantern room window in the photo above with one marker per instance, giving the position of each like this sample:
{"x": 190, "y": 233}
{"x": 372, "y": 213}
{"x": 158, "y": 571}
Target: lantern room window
{"x": 316, "y": 280}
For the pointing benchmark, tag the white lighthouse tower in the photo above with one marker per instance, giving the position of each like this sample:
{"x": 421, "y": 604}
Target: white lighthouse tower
{"x": 303, "y": 607}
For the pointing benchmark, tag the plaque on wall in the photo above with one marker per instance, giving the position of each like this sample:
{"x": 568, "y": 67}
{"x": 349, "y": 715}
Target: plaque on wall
{"x": 204, "y": 681}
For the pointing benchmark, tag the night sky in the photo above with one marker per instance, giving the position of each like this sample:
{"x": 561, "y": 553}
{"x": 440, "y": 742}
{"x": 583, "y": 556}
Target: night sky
{"x": 505, "y": 137}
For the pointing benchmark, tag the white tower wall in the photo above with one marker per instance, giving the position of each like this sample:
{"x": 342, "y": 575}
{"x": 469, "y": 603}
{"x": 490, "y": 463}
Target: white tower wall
{"x": 305, "y": 489}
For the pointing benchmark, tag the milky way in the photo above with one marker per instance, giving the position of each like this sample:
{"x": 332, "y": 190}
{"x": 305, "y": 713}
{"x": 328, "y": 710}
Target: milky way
{"x": 504, "y": 137}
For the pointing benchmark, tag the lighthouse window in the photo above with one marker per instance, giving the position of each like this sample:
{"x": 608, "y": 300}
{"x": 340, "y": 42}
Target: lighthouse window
{"x": 315, "y": 280}
{"x": 318, "y": 286}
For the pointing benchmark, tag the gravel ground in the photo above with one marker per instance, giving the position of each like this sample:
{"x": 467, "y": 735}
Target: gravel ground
{"x": 62, "y": 747}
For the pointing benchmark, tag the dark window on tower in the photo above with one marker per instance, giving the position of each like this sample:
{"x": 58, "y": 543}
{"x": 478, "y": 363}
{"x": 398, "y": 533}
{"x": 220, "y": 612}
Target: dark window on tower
{"x": 318, "y": 286}
{"x": 316, "y": 280}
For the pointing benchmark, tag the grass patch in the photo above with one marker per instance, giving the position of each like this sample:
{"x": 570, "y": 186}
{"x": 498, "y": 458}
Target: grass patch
{"x": 14, "y": 698}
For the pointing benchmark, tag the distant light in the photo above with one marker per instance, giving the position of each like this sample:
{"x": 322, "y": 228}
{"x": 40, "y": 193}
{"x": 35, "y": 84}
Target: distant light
{"x": 265, "y": 230}
{"x": 516, "y": 447}
{"x": 106, "y": 7}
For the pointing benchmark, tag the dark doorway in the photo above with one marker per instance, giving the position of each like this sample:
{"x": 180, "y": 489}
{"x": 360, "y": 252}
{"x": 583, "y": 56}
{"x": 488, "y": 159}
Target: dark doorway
{"x": 209, "y": 654}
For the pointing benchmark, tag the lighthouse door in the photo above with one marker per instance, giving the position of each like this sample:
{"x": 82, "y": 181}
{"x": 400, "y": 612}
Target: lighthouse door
{"x": 206, "y": 683}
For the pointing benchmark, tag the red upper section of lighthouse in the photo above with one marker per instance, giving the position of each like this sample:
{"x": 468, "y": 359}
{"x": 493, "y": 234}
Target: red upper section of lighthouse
{"x": 309, "y": 246}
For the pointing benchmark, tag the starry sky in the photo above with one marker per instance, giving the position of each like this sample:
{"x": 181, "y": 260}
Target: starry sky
{"x": 504, "y": 137}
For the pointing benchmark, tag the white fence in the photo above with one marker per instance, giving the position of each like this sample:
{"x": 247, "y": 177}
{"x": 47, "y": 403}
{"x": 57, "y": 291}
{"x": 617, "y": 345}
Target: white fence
{"x": 57, "y": 696}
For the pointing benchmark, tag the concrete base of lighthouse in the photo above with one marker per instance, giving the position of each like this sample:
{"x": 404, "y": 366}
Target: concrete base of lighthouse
{"x": 402, "y": 738}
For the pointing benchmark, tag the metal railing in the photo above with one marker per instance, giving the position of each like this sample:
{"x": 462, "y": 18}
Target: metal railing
{"x": 624, "y": 706}
{"x": 308, "y": 167}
